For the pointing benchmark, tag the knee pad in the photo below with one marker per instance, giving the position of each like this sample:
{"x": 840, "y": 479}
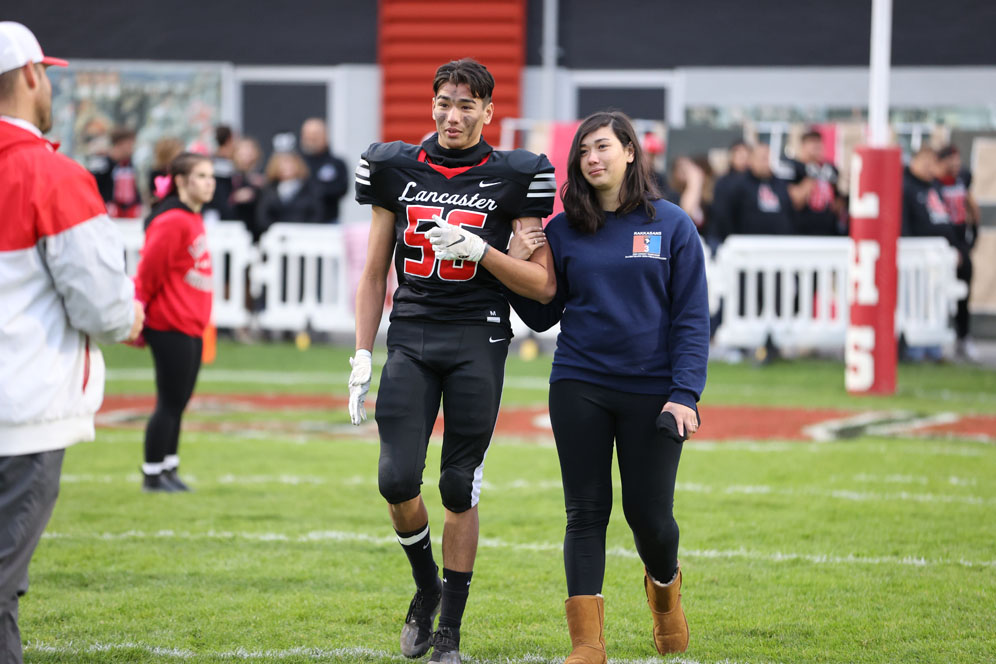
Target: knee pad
{"x": 394, "y": 486}
{"x": 456, "y": 489}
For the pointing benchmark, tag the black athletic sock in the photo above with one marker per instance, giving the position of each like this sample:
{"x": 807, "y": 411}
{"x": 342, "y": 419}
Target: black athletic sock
{"x": 418, "y": 548}
{"x": 456, "y": 588}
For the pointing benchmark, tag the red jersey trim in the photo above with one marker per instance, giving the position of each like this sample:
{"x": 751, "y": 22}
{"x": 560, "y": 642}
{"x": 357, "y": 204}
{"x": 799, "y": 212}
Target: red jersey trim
{"x": 86, "y": 364}
{"x": 448, "y": 173}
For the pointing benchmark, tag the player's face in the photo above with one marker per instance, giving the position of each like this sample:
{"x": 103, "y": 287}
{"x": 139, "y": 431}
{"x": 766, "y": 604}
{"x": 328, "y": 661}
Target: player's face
{"x": 460, "y": 116}
{"x": 604, "y": 159}
{"x": 199, "y": 185}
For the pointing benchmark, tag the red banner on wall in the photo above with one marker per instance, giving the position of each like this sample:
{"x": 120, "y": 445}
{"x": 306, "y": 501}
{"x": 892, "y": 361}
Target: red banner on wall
{"x": 876, "y": 213}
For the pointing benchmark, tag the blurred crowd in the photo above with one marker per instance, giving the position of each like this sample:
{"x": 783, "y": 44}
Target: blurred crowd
{"x": 302, "y": 181}
{"x": 762, "y": 194}
{"x": 755, "y": 193}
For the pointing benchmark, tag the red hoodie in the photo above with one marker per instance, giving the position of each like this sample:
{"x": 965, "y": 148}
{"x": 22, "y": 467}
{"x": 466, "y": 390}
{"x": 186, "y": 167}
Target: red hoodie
{"x": 174, "y": 278}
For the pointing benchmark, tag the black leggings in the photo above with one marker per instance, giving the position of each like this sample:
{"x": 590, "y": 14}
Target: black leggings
{"x": 178, "y": 359}
{"x": 586, "y": 419}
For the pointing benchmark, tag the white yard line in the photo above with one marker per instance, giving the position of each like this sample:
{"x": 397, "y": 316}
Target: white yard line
{"x": 496, "y": 543}
{"x": 292, "y": 377}
{"x": 556, "y": 485}
{"x": 323, "y": 654}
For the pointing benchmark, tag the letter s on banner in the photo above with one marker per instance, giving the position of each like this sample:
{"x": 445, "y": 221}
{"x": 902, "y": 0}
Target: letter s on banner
{"x": 859, "y": 344}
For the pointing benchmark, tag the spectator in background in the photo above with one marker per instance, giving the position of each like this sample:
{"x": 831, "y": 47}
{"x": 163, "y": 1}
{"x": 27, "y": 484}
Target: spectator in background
{"x": 174, "y": 282}
{"x": 328, "y": 173}
{"x": 925, "y": 215}
{"x": 757, "y": 203}
{"x": 247, "y": 183}
{"x": 965, "y": 216}
{"x": 63, "y": 287}
{"x": 220, "y": 207}
{"x": 115, "y": 175}
{"x": 289, "y": 194}
{"x": 739, "y": 155}
{"x": 166, "y": 149}
{"x": 685, "y": 188}
{"x": 813, "y": 188}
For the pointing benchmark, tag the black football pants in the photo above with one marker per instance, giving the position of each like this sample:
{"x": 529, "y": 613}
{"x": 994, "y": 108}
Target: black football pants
{"x": 177, "y": 357}
{"x": 464, "y": 365}
{"x": 586, "y": 420}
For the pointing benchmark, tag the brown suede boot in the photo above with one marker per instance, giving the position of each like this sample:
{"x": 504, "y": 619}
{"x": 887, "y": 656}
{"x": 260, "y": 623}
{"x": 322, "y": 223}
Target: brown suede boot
{"x": 670, "y": 626}
{"x": 586, "y": 623}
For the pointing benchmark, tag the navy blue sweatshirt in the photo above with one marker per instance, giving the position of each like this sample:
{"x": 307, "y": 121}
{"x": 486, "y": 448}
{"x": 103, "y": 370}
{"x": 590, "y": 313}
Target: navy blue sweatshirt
{"x": 632, "y": 304}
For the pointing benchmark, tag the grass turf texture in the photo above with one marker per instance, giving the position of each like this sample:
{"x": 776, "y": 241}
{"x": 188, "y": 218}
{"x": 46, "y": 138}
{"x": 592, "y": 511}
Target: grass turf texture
{"x": 872, "y": 550}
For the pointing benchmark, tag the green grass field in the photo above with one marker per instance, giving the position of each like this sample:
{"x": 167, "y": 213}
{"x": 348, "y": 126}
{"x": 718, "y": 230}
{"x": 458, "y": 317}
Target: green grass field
{"x": 871, "y": 550}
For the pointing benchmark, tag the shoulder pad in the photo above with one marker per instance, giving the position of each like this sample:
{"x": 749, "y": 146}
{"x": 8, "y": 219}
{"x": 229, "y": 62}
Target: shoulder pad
{"x": 382, "y": 153}
{"x": 527, "y": 162}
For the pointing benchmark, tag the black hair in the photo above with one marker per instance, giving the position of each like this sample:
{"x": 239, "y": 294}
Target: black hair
{"x": 222, "y": 135}
{"x": 638, "y": 186}
{"x": 469, "y": 72}
{"x": 121, "y": 134}
{"x": 812, "y": 135}
{"x": 947, "y": 151}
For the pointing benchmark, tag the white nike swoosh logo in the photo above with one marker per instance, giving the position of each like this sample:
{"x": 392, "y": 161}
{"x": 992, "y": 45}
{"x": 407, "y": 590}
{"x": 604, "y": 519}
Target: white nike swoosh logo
{"x": 494, "y": 341}
{"x": 488, "y": 184}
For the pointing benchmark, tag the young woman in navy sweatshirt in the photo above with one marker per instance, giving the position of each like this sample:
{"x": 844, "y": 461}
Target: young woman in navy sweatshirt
{"x": 174, "y": 282}
{"x": 629, "y": 367}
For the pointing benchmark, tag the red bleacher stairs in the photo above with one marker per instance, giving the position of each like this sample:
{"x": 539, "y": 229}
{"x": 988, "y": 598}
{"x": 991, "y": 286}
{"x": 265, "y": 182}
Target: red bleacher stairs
{"x": 416, "y": 36}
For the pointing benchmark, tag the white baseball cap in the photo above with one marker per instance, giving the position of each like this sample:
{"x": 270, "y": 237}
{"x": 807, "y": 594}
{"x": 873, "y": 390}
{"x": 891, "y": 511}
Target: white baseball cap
{"x": 18, "y": 47}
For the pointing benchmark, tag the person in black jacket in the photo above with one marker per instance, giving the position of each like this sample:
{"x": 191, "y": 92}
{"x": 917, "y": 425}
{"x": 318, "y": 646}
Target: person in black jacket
{"x": 926, "y": 215}
{"x": 328, "y": 173}
{"x": 289, "y": 194}
{"x": 757, "y": 203}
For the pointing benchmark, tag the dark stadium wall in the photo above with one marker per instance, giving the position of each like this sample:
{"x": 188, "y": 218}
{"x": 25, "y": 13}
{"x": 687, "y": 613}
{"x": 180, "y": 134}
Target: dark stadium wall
{"x": 248, "y": 32}
{"x": 633, "y": 34}
{"x": 636, "y": 34}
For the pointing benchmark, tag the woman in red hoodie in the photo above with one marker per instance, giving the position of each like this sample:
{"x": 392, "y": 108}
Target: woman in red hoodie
{"x": 174, "y": 282}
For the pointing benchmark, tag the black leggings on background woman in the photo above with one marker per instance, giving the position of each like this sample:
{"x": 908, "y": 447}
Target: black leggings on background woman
{"x": 177, "y": 357}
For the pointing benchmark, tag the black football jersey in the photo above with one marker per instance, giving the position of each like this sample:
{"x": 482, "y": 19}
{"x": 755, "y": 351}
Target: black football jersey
{"x": 484, "y": 198}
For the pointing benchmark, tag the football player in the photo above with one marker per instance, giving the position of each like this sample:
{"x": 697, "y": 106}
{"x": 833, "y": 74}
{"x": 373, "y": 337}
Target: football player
{"x": 444, "y": 210}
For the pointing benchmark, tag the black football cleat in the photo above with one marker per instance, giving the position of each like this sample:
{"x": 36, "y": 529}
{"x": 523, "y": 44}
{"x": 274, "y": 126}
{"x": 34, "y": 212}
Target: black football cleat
{"x": 446, "y": 646}
{"x": 156, "y": 484}
{"x": 416, "y": 635}
{"x": 172, "y": 477}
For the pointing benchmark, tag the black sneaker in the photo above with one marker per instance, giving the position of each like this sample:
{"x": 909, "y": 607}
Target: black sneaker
{"x": 446, "y": 645}
{"x": 416, "y": 635}
{"x": 156, "y": 484}
{"x": 171, "y": 477}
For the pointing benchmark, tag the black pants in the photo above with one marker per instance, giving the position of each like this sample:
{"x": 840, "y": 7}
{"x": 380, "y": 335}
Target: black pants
{"x": 465, "y": 366}
{"x": 961, "y": 314}
{"x": 586, "y": 420}
{"x": 177, "y": 357}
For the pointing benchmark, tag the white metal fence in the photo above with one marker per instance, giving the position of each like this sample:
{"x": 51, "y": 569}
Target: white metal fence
{"x": 791, "y": 289}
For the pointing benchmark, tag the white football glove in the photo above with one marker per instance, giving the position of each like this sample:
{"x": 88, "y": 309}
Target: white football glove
{"x": 453, "y": 243}
{"x": 359, "y": 385}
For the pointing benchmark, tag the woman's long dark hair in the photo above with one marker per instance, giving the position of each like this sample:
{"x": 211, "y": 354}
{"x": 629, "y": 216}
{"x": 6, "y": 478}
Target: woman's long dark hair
{"x": 638, "y": 186}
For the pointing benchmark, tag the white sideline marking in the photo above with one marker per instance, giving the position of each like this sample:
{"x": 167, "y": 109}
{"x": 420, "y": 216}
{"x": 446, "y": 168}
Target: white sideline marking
{"x": 551, "y": 485}
{"x": 292, "y": 378}
{"x": 495, "y": 543}
{"x": 242, "y": 654}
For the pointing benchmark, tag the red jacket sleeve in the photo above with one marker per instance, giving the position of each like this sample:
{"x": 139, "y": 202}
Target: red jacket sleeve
{"x": 161, "y": 242}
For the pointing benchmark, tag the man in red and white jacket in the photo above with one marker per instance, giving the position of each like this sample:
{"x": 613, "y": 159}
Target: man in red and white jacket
{"x": 62, "y": 285}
